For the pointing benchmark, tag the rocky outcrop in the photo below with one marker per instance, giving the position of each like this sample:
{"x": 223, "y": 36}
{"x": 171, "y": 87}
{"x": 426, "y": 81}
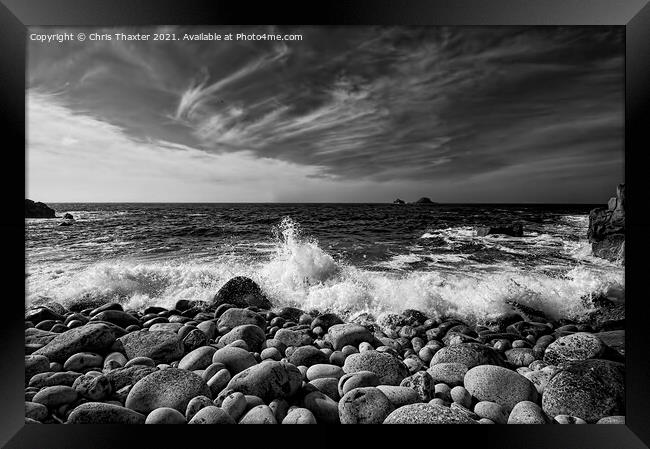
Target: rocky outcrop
{"x": 607, "y": 228}
{"x": 398, "y": 201}
{"x": 424, "y": 200}
{"x": 241, "y": 292}
{"x": 38, "y": 210}
{"x": 513, "y": 230}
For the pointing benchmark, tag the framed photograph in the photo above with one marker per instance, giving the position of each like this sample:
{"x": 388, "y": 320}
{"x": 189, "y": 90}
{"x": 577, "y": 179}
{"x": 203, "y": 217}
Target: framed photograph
{"x": 326, "y": 213}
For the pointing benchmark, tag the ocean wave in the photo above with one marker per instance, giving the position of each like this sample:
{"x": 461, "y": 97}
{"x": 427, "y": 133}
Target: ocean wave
{"x": 300, "y": 273}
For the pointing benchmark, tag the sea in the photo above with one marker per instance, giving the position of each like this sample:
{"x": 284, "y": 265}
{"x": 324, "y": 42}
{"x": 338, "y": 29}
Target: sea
{"x": 344, "y": 258}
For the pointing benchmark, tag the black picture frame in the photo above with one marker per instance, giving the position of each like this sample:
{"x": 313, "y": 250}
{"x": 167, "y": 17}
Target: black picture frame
{"x": 634, "y": 15}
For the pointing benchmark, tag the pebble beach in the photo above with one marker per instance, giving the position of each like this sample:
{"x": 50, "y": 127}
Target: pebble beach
{"x": 240, "y": 360}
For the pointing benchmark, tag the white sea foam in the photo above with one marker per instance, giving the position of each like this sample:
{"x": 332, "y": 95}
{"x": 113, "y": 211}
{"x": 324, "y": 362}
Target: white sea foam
{"x": 302, "y": 274}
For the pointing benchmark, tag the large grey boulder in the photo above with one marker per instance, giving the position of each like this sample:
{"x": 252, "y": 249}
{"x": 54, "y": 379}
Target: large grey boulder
{"x": 389, "y": 369}
{"x": 161, "y": 346}
{"x": 269, "y": 380}
{"x": 500, "y": 385}
{"x": 427, "y": 414}
{"x": 92, "y": 337}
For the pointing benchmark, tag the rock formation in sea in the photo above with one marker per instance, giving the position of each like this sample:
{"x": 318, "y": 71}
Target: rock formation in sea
{"x": 399, "y": 201}
{"x": 424, "y": 200}
{"x": 38, "y": 210}
{"x": 607, "y": 228}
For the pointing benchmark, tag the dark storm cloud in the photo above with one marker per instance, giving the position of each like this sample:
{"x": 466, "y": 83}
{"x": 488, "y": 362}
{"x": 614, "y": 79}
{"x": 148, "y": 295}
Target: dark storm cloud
{"x": 381, "y": 104}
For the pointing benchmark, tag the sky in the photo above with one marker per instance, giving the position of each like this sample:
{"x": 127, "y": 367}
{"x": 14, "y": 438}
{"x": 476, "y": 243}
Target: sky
{"x": 346, "y": 114}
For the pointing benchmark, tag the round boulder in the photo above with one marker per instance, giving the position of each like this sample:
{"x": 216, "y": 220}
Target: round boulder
{"x": 427, "y": 414}
{"x": 367, "y": 405}
{"x": 388, "y": 369}
{"x": 103, "y": 413}
{"x": 269, "y": 380}
{"x": 573, "y": 347}
{"x": 161, "y": 346}
{"x": 500, "y": 385}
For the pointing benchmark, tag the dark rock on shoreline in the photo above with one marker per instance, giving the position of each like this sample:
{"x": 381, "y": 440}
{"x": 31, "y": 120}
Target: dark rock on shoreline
{"x": 398, "y": 201}
{"x": 38, "y": 210}
{"x": 607, "y": 228}
{"x": 93, "y": 337}
{"x": 513, "y": 230}
{"x": 424, "y": 201}
{"x": 241, "y": 292}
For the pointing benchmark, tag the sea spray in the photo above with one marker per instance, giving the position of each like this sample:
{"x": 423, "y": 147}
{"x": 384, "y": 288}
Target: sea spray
{"x": 300, "y": 273}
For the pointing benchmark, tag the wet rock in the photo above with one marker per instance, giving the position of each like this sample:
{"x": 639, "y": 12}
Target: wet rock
{"x": 93, "y": 388}
{"x": 122, "y": 377}
{"x": 612, "y": 420}
{"x": 326, "y": 321}
{"x": 399, "y": 396}
{"x": 35, "y": 209}
{"x": 35, "y": 411}
{"x": 219, "y": 381}
{"x": 328, "y": 386}
{"x": 422, "y": 383}
{"x": 117, "y": 317}
{"x": 196, "y": 404}
{"x": 50, "y": 379}
{"x": 367, "y": 405}
{"x": 324, "y": 408}
{"x": 35, "y": 364}
{"x": 241, "y": 292}
{"x": 161, "y": 346}
{"x": 293, "y": 338}
{"x": 234, "y": 404}
{"x": 492, "y": 411}
{"x": 520, "y": 356}
{"x": 82, "y": 361}
{"x": 324, "y": 370}
{"x": 55, "y": 396}
{"x": 299, "y": 415}
{"x": 588, "y": 389}
{"x": 171, "y": 387}
{"x": 427, "y": 414}
{"x": 540, "y": 377}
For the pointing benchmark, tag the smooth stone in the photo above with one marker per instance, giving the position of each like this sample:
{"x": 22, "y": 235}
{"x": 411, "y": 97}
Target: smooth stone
{"x": 299, "y": 415}
{"x": 234, "y": 404}
{"x": 165, "y": 327}
{"x": 349, "y": 334}
{"x": 566, "y": 419}
{"x": 92, "y": 337}
{"x": 500, "y": 385}
{"x": 399, "y": 396}
{"x": 114, "y": 360}
{"x": 235, "y": 359}
{"x": 325, "y": 321}
{"x": 161, "y": 346}
{"x": 612, "y": 420}
{"x": 196, "y": 404}
{"x": 422, "y": 383}
{"x": 324, "y": 408}
{"x": 469, "y": 354}
{"x": 209, "y": 328}
{"x": 366, "y": 405}
{"x": 589, "y": 389}
{"x": 527, "y": 412}
{"x": 142, "y": 361}
{"x": 268, "y": 380}
{"x": 234, "y": 317}
{"x": 324, "y": 370}
{"x": 93, "y": 388}
{"x": 308, "y": 356}
{"x": 280, "y": 408}
{"x": 293, "y": 338}
{"x": 252, "y": 401}
{"x": 219, "y": 381}
{"x": 574, "y": 347}
{"x": 212, "y": 415}
{"x": 35, "y": 411}
{"x": 253, "y": 335}
{"x": 461, "y": 396}
{"x": 328, "y": 386}
{"x": 442, "y": 391}
{"x": 53, "y": 397}
{"x": 261, "y": 414}
{"x": 103, "y": 413}
{"x": 492, "y": 411}
{"x": 427, "y": 414}
{"x": 520, "y": 356}
{"x": 452, "y": 374}
{"x": 357, "y": 380}
{"x": 171, "y": 387}
{"x": 271, "y": 353}
{"x": 165, "y": 415}
{"x": 51, "y": 379}
{"x": 389, "y": 370}
{"x": 200, "y": 358}
{"x": 211, "y": 370}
